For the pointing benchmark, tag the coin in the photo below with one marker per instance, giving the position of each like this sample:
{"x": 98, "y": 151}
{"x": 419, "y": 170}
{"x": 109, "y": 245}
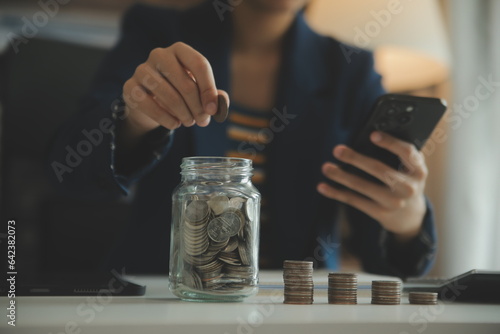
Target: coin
{"x": 192, "y": 280}
{"x": 230, "y": 257}
{"x": 231, "y": 245}
{"x": 242, "y": 250}
{"x": 423, "y": 298}
{"x": 198, "y": 260}
{"x": 298, "y": 282}
{"x": 194, "y": 234}
{"x": 216, "y": 243}
{"x": 298, "y": 301}
{"x": 292, "y": 264}
{"x": 234, "y": 221}
{"x": 239, "y": 271}
{"x": 218, "y": 204}
{"x": 250, "y": 209}
{"x": 219, "y": 230}
{"x": 342, "y": 288}
{"x": 196, "y": 211}
{"x": 236, "y": 202}
{"x": 222, "y": 110}
{"x": 386, "y": 292}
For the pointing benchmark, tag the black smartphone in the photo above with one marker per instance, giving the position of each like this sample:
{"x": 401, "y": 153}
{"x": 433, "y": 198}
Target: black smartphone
{"x": 473, "y": 286}
{"x": 70, "y": 284}
{"x": 406, "y": 117}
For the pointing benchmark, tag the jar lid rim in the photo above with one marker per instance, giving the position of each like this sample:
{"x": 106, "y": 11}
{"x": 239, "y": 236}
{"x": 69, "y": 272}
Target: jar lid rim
{"x": 201, "y": 158}
{"x": 216, "y": 163}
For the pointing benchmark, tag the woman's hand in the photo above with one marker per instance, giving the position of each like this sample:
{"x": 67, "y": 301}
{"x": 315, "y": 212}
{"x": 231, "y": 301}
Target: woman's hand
{"x": 174, "y": 87}
{"x": 398, "y": 204}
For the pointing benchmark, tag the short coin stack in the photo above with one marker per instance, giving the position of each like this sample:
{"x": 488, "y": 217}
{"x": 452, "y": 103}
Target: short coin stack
{"x": 386, "y": 292}
{"x": 299, "y": 286}
{"x": 423, "y": 298}
{"x": 342, "y": 288}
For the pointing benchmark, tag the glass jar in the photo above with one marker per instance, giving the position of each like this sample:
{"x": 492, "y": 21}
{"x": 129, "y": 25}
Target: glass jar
{"x": 215, "y": 231}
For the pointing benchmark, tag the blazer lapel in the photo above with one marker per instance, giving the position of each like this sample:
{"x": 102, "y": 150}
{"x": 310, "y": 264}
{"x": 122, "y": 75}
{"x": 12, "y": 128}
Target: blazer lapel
{"x": 297, "y": 152}
{"x": 303, "y": 76}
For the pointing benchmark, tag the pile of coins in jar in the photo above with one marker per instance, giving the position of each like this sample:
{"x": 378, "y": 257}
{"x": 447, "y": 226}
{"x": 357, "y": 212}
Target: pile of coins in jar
{"x": 217, "y": 238}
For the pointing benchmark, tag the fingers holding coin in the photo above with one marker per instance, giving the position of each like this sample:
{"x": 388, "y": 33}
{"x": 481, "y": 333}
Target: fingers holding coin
{"x": 222, "y": 107}
{"x": 174, "y": 86}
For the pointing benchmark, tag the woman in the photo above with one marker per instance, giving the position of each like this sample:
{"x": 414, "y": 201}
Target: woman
{"x": 295, "y": 98}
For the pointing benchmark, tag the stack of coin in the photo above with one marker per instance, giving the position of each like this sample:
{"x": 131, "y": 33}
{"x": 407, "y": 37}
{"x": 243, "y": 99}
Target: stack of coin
{"x": 342, "y": 288}
{"x": 238, "y": 273}
{"x": 423, "y": 298}
{"x": 299, "y": 286}
{"x": 386, "y": 292}
{"x": 217, "y": 242}
{"x": 192, "y": 279}
{"x": 196, "y": 219}
{"x": 210, "y": 273}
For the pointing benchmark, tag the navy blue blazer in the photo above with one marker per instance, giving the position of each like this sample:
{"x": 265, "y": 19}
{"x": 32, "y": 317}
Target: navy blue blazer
{"x": 325, "y": 92}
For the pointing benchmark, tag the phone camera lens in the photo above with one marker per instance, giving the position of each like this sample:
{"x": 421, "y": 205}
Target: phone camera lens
{"x": 404, "y": 119}
{"x": 391, "y": 111}
{"x": 382, "y": 125}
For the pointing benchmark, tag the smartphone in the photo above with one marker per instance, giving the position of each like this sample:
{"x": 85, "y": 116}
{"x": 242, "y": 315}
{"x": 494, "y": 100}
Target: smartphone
{"x": 409, "y": 118}
{"x": 71, "y": 284}
{"x": 479, "y": 286}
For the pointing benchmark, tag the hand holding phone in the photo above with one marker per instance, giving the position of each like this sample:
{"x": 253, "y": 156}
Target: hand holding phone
{"x": 409, "y": 118}
{"x": 368, "y": 175}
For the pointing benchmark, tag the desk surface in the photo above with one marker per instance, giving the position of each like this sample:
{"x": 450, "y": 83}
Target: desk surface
{"x": 160, "y": 312}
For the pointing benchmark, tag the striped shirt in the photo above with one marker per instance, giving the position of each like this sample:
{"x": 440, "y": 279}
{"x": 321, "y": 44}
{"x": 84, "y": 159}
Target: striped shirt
{"x": 248, "y": 140}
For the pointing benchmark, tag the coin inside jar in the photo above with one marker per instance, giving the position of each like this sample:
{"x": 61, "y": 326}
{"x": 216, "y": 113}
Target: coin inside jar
{"x": 218, "y": 204}
{"x": 196, "y": 211}
{"x": 236, "y": 202}
{"x": 220, "y": 230}
{"x": 234, "y": 220}
{"x": 214, "y": 243}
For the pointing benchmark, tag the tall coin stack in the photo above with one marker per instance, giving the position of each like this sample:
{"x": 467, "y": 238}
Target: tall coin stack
{"x": 342, "y": 288}
{"x": 386, "y": 292}
{"x": 423, "y": 298}
{"x": 299, "y": 286}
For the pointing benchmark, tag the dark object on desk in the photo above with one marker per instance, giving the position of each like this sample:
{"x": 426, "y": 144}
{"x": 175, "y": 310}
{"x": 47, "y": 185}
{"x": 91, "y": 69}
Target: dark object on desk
{"x": 473, "y": 286}
{"x": 69, "y": 284}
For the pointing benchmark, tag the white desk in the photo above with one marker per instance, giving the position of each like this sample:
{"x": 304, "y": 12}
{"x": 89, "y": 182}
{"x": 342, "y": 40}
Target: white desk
{"x": 160, "y": 312}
